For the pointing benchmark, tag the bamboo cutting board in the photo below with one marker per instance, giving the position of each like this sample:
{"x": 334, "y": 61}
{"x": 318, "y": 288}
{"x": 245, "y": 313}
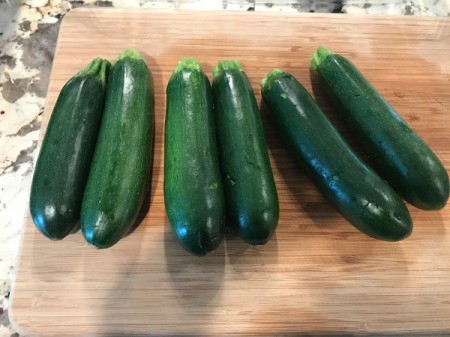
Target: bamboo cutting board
{"x": 318, "y": 275}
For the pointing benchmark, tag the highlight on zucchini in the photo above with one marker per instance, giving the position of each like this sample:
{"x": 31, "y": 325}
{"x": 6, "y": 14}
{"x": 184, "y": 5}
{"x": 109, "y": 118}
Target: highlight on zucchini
{"x": 362, "y": 197}
{"x": 398, "y": 153}
{"x": 65, "y": 156}
{"x": 193, "y": 192}
{"x": 250, "y": 191}
{"x": 119, "y": 177}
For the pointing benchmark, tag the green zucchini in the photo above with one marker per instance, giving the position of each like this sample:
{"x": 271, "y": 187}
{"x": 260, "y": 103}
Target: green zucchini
{"x": 65, "y": 157}
{"x": 250, "y": 191}
{"x": 398, "y": 153}
{"x": 355, "y": 190}
{"x": 119, "y": 176}
{"x": 193, "y": 192}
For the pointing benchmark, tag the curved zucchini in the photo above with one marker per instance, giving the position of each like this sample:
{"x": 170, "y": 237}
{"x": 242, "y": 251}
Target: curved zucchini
{"x": 193, "y": 191}
{"x": 120, "y": 169}
{"x": 357, "y": 192}
{"x": 398, "y": 153}
{"x": 65, "y": 156}
{"x": 250, "y": 191}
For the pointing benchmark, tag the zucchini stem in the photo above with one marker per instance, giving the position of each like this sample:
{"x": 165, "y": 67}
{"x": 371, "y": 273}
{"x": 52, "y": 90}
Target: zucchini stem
{"x": 190, "y": 63}
{"x": 97, "y": 68}
{"x": 318, "y": 57}
{"x": 131, "y": 53}
{"x": 226, "y": 65}
{"x": 265, "y": 82}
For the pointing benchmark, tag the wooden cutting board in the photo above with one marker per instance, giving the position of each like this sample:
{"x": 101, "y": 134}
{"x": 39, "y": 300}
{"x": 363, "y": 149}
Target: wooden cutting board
{"x": 318, "y": 275}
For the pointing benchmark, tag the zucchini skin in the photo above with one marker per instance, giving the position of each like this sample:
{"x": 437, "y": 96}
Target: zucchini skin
{"x": 119, "y": 175}
{"x": 398, "y": 153}
{"x": 358, "y": 193}
{"x": 193, "y": 191}
{"x": 250, "y": 191}
{"x": 65, "y": 157}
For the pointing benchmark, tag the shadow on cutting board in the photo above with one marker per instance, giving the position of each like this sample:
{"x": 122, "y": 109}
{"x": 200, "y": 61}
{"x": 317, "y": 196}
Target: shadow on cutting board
{"x": 250, "y": 260}
{"x": 196, "y": 281}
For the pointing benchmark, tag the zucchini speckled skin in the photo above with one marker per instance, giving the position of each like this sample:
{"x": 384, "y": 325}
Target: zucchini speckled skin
{"x": 250, "y": 191}
{"x": 398, "y": 153}
{"x": 119, "y": 175}
{"x": 65, "y": 157}
{"x": 193, "y": 192}
{"x": 355, "y": 190}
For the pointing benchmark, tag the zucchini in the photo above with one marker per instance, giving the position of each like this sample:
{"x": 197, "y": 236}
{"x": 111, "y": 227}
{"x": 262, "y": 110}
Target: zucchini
{"x": 250, "y": 191}
{"x": 398, "y": 153}
{"x": 119, "y": 176}
{"x": 63, "y": 164}
{"x": 356, "y": 191}
{"x": 193, "y": 192}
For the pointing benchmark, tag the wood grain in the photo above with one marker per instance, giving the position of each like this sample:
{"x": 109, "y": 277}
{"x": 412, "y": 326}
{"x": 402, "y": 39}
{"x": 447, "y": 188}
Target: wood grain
{"x": 318, "y": 274}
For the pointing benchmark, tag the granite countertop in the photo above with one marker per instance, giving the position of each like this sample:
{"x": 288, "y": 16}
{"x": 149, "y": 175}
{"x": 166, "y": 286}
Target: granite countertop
{"x": 28, "y": 32}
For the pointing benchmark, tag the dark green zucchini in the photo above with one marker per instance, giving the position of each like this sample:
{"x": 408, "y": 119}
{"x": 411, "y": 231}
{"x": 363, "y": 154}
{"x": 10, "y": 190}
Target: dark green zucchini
{"x": 63, "y": 164}
{"x": 355, "y": 190}
{"x": 398, "y": 153}
{"x": 193, "y": 192}
{"x": 119, "y": 175}
{"x": 250, "y": 191}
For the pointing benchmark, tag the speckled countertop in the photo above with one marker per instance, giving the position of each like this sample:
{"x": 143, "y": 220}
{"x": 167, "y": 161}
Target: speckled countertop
{"x": 28, "y": 32}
